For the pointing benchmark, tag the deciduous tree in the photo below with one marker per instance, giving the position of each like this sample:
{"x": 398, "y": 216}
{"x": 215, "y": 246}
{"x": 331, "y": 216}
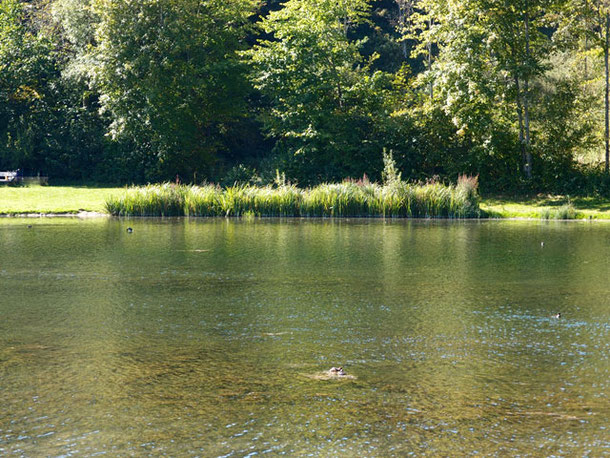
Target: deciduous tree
{"x": 324, "y": 99}
{"x": 170, "y": 79}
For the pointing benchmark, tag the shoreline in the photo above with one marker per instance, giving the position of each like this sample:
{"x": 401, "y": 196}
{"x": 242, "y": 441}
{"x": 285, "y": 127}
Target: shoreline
{"x": 93, "y": 214}
{"x": 85, "y": 203}
{"x": 81, "y": 215}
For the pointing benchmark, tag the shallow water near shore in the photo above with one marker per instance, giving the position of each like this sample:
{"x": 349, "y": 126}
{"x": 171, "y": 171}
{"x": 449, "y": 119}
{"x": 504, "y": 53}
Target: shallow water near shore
{"x": 211, "y": 337}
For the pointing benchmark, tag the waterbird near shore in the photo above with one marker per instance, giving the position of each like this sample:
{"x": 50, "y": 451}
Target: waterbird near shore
{"x": 337, "y": 371}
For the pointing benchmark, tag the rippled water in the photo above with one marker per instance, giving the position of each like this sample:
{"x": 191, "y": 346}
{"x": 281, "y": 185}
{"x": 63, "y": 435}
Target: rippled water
{"x": 207, "y": 337}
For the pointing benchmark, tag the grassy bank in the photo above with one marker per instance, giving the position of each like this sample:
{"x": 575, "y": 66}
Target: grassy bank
{"x": 547, "y": 207}
{"x": 351, "y": 199}
{"x": 54, "y": 199}
{"x": 347, "y": 199}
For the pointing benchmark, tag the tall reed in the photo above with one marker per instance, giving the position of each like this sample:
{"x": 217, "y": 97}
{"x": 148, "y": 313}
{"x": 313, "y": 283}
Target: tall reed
{"x": 204, "y": 200}
{"x": 151, "y": 200}
{"x": 396, "y": 199}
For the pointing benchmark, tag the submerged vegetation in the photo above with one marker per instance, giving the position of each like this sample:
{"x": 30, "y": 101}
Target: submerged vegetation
{"x": 347, "y": 199}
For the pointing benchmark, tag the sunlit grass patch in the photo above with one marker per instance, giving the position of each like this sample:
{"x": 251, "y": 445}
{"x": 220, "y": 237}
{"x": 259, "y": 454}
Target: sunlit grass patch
{"x": 547, "y": 207}
{"x": 54, "y": 199}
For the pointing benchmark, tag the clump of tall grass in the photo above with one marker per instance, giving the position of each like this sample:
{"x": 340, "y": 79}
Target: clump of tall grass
{"x": 394, "y": 199}
{"x": 284, "y": 200}
{"x": 466, "y": 198}
{"x": 566, "y": 211}
{"x": 204, "y": 200}
{"x": 335, "y": 200}
{"x": 152, "y": 200}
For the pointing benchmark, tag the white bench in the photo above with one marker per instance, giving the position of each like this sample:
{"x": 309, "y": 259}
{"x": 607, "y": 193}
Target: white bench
{"x": 9, "y": 177}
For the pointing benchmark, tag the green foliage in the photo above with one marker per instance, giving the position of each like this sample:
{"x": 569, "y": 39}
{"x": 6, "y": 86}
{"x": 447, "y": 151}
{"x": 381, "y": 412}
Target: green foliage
{"x": 241, "y": 174}
{"x": 326, "y": 103}
{"x": 134, "y": 92}
{"x": 390, "y": 174}
{"x": 503, "y": 101}
{"x": 27, "y": 74}
{"x": 169, "y": 78}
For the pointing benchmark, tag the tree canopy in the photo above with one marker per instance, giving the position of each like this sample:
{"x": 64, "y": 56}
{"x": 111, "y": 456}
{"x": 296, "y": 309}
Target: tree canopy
{"x": 237, "y": 90}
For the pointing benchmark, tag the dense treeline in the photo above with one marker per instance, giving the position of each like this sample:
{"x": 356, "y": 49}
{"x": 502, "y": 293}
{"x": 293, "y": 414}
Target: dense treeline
{"x": 232, "y": 91}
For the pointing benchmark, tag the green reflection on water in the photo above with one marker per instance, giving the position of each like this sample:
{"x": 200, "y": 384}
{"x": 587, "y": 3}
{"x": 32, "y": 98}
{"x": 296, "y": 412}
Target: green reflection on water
{"x": 204, "y": 337}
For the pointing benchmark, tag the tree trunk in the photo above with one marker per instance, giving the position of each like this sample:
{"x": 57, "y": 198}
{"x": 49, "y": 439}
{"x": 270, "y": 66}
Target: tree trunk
{"x": 526, "y": 111}
{"x": 526, "y": 122}
{"x": 606, "y": 95}
{"x": 586, "y": 63}
{"x": 520, "y": 117}
{"x": 430, "y": 59}
{"x": 586, "y": 45}
{"x": 402, "y": 22}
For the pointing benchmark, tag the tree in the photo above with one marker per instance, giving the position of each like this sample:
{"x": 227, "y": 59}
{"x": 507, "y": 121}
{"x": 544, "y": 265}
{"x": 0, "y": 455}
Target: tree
{"x": 28, "y": 70}
{"x": 324, "y": 100}
{"x": 595, "y": 26}
{"x": 406, "y": 8}
{"x": 170, "y": 79}
{"x": 490, "y": 51}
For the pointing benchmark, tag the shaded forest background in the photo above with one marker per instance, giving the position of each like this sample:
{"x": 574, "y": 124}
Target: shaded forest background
{"x": 123, "y": 91}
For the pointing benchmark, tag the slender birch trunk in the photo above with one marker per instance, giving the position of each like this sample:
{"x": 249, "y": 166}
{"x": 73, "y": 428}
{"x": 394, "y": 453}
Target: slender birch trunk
{"x": 526, "y": 111}
{"x": 607, "y": 91}
{"x": 520, "y": 117}
{"x": 430, "y": 59}
{"x": 586, "y": 47}
{"x": 402, "y": 22}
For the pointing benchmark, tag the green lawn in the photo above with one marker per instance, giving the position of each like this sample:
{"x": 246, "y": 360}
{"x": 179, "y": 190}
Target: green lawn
{"x": 53, "y": 199}
{"x": 534, "y": 207}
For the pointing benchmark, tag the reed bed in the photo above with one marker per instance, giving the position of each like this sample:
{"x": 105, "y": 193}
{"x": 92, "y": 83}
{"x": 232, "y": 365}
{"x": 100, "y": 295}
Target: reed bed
{"x": 151, "y": 200}
{"x": 397, "y": 199}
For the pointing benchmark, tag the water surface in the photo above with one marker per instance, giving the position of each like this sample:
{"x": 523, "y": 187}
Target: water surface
{"x": 205, "y": 337}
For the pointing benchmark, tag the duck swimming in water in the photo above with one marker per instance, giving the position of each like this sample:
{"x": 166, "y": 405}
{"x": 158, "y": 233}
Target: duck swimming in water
{"x": 337, "y": 371}
{"x": 129, "y": 230}
{"x": 557, "y": 315}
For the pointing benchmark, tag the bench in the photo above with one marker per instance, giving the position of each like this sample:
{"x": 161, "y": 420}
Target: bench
{"x": 10, "y": 177}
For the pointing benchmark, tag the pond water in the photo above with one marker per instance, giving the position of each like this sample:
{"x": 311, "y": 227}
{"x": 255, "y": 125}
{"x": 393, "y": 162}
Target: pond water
{"x": 211, "y": 337}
